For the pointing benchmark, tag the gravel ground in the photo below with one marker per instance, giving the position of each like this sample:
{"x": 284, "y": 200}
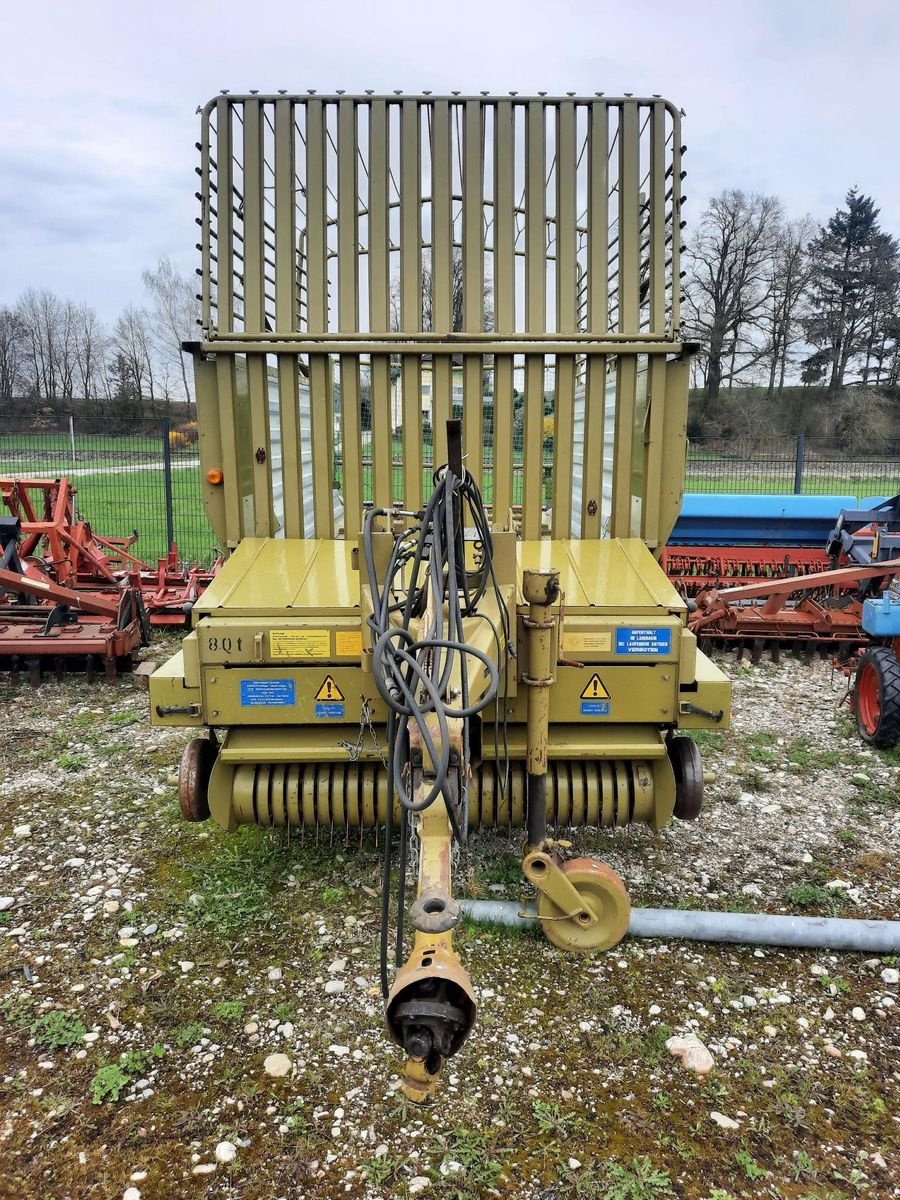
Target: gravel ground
{"x": 150, "y": 968}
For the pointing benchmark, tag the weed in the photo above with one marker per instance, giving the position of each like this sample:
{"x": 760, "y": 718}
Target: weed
{"x": 108, "y": 1083}
{"x": 639, "y": 1181}
{"x": 228, "y": 1010}
{"x": 189, "y": 1035}
{"x": 333, "y": 895}
{"x": 125, "y": 718}
{"x": 480, "y": 1172}
{"x": 809, "y": 895}
{"x": 58, "y": 1029}
{"x": 72, "y": 762}
{"x": 17, "y": 1011}
{"x": 505, "y": 869}
{"x": 749, "y": 1165}
{"x": 233, "y": 889}
{"x": 552, "y": 1121}
{"x": 380, "y": 1171}
{"x": 802, "y": 1165}
{"x": 653, "y": 1045}
{"x": 706, "y": 739}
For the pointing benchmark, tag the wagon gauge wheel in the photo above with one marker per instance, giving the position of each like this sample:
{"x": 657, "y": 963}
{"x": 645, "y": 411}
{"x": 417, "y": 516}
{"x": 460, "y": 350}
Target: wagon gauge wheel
{"x": 197, "y": 763}
{"x": 601, "y": 890}
{"x": 876, "y": 698}
{"x": 687, "y": 768}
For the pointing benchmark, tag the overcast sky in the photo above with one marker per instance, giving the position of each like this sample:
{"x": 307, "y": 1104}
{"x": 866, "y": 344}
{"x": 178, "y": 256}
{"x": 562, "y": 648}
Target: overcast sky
{"x": 98, "y": 125}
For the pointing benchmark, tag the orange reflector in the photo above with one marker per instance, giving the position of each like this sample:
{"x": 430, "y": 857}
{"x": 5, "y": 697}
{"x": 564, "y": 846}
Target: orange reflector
{"x": 214, "y": 475}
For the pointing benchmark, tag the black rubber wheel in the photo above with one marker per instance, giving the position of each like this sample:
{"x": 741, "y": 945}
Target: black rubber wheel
{"x": 688, "y": 769}
{"x": 876, "y": 697}
{"x": 197, "y": 763}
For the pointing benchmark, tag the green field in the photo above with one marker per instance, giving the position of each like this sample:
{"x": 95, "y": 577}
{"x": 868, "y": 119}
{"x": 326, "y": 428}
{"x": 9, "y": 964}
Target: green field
{"x": 121, "y": 485}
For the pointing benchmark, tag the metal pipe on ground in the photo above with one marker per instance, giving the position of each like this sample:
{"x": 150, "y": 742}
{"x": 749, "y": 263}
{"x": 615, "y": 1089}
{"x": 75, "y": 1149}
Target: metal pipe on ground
{"x": 756, "y": 929}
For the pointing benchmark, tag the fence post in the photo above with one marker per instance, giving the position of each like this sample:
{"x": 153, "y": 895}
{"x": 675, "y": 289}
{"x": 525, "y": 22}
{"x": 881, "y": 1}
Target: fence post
{"x": 167, "y": 480}
{"x": 799, "y": 457}
{"x": 72, "y": 440}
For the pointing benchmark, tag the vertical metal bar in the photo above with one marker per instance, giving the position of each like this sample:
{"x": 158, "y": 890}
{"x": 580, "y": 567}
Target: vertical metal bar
{"x": 441, "y": 274}
{"x": 167, "y": 482}
{"x": 504, "y": 305}
{"x": 206, "y": 272}
{"x": 379, "y": 303}
{"x": 473, "y": 284}
{"x": 348, "y": 313}
{"x": 676, "y": 221}
{"x": 598, "y": 219}
{"x": 535, "y": 316}
{"x": 566, "y": 316}
{"x": 225, "y": 220}
{"x": 799, "y": 459}
{"x": 230, "y": 458}
{"x": 411, "y": 298}
{"x": 286, "y": 313}
{"x": 317, "y": 305}
{"x": 657, "y": 255}
{"x": 654, "y": 446}
{"x": 592, "y": 450}
{"x": 629, "y": 219}
{"x": 626, "y": 389}
{"x": 254, "y": 318}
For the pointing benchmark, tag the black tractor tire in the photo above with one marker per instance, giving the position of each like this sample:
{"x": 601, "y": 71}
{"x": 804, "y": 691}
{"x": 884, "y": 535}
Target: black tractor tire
{"x": 876, "y": 697}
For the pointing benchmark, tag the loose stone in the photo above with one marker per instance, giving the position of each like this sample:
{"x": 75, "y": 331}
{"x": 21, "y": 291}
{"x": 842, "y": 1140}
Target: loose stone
{"x": 277, "y": 1065}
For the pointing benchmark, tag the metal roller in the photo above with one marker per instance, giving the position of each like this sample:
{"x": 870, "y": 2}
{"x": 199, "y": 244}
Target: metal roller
{"x": 597, "y": 793}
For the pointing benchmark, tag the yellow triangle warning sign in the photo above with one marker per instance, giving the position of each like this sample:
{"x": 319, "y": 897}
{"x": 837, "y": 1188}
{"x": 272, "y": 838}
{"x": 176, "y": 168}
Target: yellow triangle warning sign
{"x": 594, "y": 689}
{"x": 329, "y": 690}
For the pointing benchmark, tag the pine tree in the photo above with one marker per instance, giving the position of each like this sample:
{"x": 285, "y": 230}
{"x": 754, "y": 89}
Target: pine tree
{"x": 855, "y": 269}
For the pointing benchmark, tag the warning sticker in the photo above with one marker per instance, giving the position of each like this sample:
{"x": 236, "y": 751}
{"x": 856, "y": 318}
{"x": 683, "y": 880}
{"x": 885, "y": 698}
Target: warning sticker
{"x": 644, "y": 641}
{"x": 595, "y": 641}
{"x": 329, "y": 692}
{"x": 299, "y": 643}
{"x": 347, "y": 643}
{"x": 268, "y": 693}
{"x": 329, "y": 712}
{"x": 595, "y": 689}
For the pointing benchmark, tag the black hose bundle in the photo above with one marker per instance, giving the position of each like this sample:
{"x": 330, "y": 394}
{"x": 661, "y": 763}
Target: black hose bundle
{"x": 427, "y": 570}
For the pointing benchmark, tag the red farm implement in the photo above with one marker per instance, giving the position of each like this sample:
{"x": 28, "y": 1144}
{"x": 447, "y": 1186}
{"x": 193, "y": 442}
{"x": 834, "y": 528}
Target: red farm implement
{"x": 58, "y": 542}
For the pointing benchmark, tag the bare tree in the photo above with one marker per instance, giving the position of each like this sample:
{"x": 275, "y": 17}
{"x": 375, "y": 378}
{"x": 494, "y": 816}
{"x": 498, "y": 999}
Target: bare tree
{"x": 132, "y": 343}
{"x": 174, "y": 316}
{"x": 45, "y": 321}
{"x": 729, "y": 279}
{"x": 90, "y": 346}
{"x": 12, "y": 353}
{"x": 786, "y": 287}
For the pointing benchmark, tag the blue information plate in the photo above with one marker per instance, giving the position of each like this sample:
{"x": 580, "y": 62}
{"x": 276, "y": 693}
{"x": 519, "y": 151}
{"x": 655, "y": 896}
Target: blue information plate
{"x": 329, "y": 712}
{"x": 644, "y": 641}
{"x": 595, "y": 708}
{"x": 268, "y": 693}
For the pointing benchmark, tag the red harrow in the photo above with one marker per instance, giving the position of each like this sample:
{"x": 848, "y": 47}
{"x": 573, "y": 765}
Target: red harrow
{"x": 69, "y": 596}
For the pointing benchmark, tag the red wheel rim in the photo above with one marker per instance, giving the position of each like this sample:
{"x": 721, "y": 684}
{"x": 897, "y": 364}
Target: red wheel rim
{"x": 868, "y": 698}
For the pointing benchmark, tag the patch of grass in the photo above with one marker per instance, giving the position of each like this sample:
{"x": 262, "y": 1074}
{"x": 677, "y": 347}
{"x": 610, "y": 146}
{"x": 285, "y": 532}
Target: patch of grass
{"x": 72, "y": 762}
{"x": 333, "y": 895}
{"x": 228, "y": 1010}
{"x": 706, "y": 739}
{"x": 809, "y": 895}
{"x": 189, "y": 1035}
{"x": 640, "y": 1180}
{"x": 653, "y": 1044}
{"x": 126, "y": 718}
{"x": 232, "y": 889}
{"x": 552, "y": 1121}
{"x": 17, "y": 1011}
{"x": 58, "y": 1029}
{"x": 480, "y": 1171}
{"x": 505, "y": 869}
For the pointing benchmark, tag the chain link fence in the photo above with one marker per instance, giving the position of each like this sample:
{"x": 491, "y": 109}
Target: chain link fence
{"x": 144, "y": 473}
